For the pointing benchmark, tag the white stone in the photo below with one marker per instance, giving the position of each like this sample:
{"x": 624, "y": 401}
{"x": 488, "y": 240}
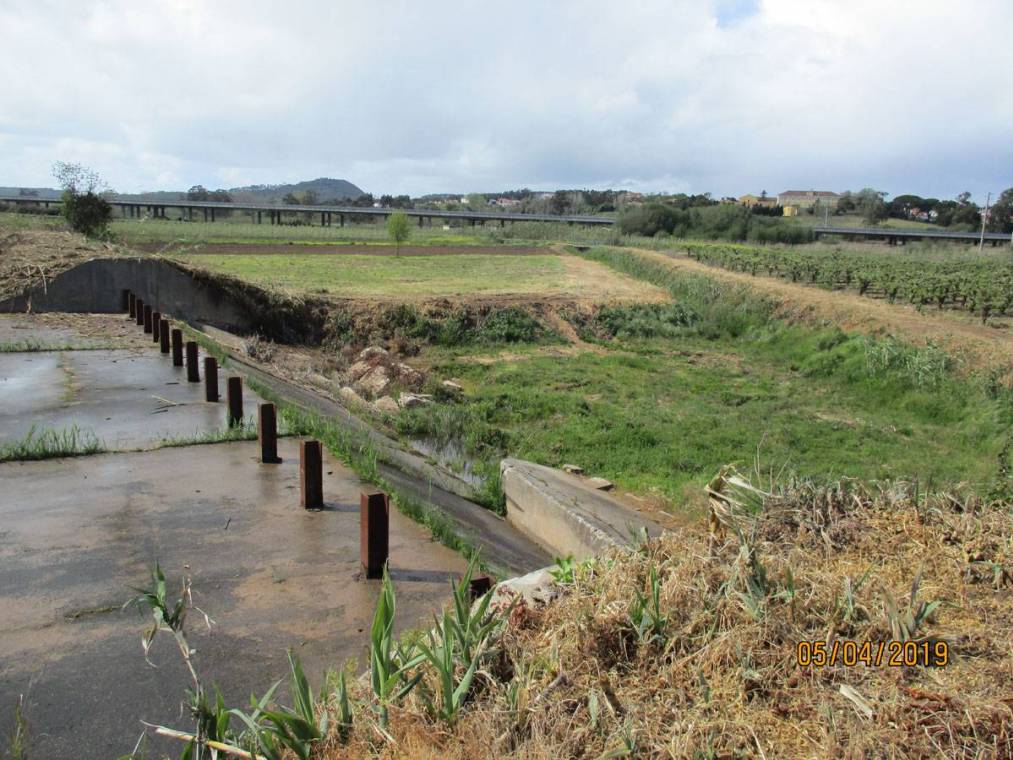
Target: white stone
{"x": 600, "y": 484}
{"x": 409, "y": 400}
{"x": 350, "y": 396}
{"x": 371, "y": 351}
{"x": 375, "y": 381}
{"x": 387, "y": 405}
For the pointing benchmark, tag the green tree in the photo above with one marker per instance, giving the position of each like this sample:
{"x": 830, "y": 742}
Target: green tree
{"x": 398, "y": 228}
{"x": 83, "y": 207}
{"x": 476, "y": 201}
{"x": 1000, "y": 217}
{"x": 871, "y": 205}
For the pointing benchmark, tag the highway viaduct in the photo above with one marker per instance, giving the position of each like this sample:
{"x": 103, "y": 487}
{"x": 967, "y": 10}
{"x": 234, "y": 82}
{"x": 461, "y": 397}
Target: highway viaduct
{"x": 327, "y": 214}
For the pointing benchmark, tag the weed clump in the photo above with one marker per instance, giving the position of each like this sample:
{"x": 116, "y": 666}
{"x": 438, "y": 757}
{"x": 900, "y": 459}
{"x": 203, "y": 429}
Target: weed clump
{"x": 713, "y": 641}
{"x": 49, "y": 443}
{"x": 646, "y": 320}
{"x": 407, "y": 326}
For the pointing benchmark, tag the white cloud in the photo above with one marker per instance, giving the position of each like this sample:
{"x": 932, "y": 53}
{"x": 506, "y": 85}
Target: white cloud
{"x": 421, "y": 97}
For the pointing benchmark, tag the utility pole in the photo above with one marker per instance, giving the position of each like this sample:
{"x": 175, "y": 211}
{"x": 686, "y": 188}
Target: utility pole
{"x": 984, "y": 219}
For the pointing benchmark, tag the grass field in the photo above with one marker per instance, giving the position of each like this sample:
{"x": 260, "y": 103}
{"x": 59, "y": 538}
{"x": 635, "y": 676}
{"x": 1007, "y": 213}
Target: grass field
{"x": 660, "y": 411}
{"x": 429, "y": 276}
{"x": 856, "y": 220}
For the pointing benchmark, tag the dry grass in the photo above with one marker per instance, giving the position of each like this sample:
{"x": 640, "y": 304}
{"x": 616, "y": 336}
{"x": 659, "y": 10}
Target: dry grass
{"x": 573, "y": 679}
{"x": 32, "y": 258}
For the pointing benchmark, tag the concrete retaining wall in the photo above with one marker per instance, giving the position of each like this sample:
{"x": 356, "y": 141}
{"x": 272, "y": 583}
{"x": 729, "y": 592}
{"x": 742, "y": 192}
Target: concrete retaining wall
{"x": 564, "y": 515}
{"x": 96, "y": 286}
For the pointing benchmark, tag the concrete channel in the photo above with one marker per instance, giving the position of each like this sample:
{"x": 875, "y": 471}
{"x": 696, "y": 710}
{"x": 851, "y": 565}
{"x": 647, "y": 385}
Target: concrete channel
{"x": 77, "y": 533}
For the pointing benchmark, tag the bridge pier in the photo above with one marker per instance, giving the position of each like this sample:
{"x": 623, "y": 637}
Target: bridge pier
{"x": 341, "y": 219}
{"x": 420, "y": 221}
{"x": 212, "y": 215}
{"x": 205, "y": 215}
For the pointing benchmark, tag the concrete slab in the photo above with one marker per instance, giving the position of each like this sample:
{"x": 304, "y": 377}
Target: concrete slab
{"x": 76, "y": 534}
{"x": 130, "y": 399}
{"x": 72, "y": 331}
{"x": 566, "y": 515}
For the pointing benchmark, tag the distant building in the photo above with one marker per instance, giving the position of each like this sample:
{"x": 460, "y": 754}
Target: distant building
{"x": 806, "y": 199}
{"x": 764, "y": 201}
{"x": 506, "y": 202}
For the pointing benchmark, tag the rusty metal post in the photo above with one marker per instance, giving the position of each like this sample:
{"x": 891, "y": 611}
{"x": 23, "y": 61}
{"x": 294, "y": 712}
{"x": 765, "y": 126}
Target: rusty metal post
{"x": 132, "y": 305}
{"x": 148, "y": 316}
{"x": 267, "y": 434}
{"x": 125, "y": 300}
{"x": 177, "y": 347}
{"x": 156, "y": 325}
{"x": 139, "y": 311}
{"x": 210, "y": 379}
{"x": 192, "y": 368}
{"x": 480, "y": 586}
{"x": 311, "y": 474}
{"x": 234, "y": 397}
{"x": 163, "y": 335}
{"x": 374, "y": 532}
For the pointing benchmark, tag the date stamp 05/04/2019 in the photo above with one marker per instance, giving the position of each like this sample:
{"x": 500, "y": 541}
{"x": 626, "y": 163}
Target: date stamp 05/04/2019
{"x": 893, "y": 654}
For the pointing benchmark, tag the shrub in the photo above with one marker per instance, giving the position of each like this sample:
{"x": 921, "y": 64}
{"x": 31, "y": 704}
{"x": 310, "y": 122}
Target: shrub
{"x": 84, "y": 209}
{"x": 87, "y": 213}
{"x": 642, "y": 320}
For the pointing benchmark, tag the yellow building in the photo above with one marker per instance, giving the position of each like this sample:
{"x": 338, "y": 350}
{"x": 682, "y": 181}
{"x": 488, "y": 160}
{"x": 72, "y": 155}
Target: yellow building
{"x": 791, "y": 211}
{"x": 757, "y": 200}
{"x": 804, "y": 199}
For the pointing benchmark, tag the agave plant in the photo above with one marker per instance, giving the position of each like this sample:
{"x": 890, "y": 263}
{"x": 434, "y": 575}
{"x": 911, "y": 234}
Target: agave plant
{"x": 296, "y": 728}
{"x": 390, "y": 666}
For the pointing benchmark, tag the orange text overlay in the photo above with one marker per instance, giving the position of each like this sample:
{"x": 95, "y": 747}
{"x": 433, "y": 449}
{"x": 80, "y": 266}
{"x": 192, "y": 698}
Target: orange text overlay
{"x": 893, "y": 654}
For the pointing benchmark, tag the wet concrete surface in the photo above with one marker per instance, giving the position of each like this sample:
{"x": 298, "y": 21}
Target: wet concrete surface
{"x": 76, "y": 534}
{"x": 129, "y": 398}
{"x": 72, "y": 330}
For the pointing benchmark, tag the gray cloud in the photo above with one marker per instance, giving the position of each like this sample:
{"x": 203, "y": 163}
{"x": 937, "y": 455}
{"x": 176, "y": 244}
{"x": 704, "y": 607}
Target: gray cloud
{"x": 728, "y": 96}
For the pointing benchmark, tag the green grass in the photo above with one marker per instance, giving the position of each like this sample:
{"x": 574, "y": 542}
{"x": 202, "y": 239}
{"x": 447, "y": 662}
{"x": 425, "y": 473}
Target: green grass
{"x": 361, "y": 275}
{"x": 35, "y": 346}
{"x": 245, "y": 432}
{"x": 856, "y": 220}
{"x": 49, "y": 443}
{"x": 180, "y": 234}
{"x": 661, "y": 411}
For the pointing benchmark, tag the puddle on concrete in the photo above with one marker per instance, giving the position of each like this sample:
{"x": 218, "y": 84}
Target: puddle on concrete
{"x": 79, "y": 533}
{"x": 130, "y": 399}
{"x": 26, "y": 378}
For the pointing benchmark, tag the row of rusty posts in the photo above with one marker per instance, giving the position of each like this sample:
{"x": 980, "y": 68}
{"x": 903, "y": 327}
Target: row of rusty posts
{"x": 374, "y": 506}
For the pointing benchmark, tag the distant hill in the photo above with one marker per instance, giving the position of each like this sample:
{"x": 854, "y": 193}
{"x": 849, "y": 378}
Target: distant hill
{"x": 45, "y": 193}
{"x": 326, "y": 189}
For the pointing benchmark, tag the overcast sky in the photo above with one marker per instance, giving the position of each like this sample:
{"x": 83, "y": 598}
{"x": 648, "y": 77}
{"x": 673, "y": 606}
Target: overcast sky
{"x": 726, "y": 96}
